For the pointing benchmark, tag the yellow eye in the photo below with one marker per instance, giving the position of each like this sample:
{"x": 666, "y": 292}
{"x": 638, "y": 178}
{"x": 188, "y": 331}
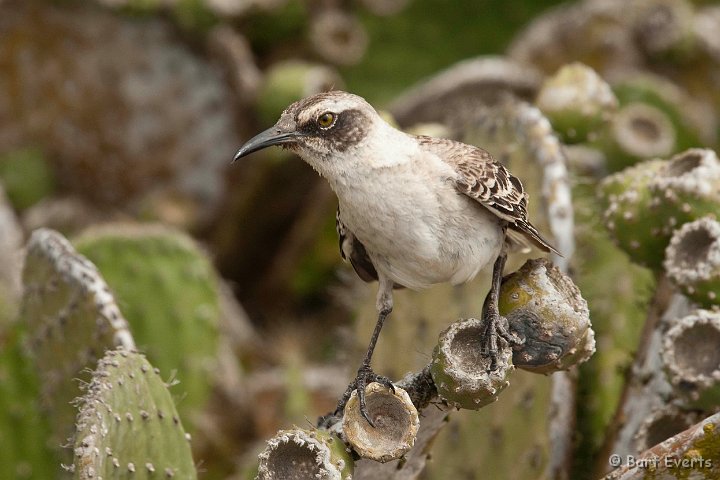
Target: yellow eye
{"x": 326, "y": 120}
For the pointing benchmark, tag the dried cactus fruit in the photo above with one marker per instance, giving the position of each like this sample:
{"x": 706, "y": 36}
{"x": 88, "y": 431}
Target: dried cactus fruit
{"x": 170, "y": 296}
{"x": 577, "y": 101}
{"x": 460, "y": 370}
{"x": 637, "y": 131}
{"x": 687, "y": 188}
{"x": 545, "y": 308}
{"x": 663, "y": 423}
{"x": 301, "y": 454}
{"x": 289, "y": 81}
{"x": 71, "y": 319}
{"x": 692, "y": 260}
{"x": 692, "y": 453}
{"x": 395, "y": 422}
{"x": 695, "y": 122}
{"x": 127, "y": 426}
{"x": 691, "y": 358}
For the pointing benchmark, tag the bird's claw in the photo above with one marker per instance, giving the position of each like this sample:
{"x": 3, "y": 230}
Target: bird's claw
{"x": 365, "y": 376}
{"x": 496, "y": 326}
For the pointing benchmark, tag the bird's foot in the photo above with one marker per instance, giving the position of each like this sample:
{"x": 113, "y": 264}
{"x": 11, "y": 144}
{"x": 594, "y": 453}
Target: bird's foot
{"x": 496, "y": 326}
{"x": 365, "y": 376}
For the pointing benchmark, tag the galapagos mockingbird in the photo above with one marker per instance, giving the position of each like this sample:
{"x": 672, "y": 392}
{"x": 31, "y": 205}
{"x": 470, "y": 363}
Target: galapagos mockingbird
{"x": 413, "y": 210}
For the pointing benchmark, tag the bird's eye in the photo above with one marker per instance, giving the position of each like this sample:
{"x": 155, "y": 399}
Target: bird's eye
{"x": 326, "y": 120}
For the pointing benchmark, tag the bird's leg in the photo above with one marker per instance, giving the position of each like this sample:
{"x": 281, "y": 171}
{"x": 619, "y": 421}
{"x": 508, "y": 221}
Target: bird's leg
{"x": 365, "y": 374}
{"x": 495, "y": 325}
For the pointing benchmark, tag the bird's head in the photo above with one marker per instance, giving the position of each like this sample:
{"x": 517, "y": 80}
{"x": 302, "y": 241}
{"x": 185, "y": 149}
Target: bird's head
{"x": 322, "y": 128}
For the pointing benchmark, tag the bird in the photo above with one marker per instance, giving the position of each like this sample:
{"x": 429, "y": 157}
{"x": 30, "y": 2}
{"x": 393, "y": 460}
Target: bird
{"x": 413, "y": 211}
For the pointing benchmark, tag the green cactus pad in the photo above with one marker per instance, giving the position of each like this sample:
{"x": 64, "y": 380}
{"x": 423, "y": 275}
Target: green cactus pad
{"x": 545, "y": 308}
{"x": 26, "y": 176}
{"x": 636, "y": 177}
{"x": 461, "y": 371}
{"x": 170, "y": 296}
{"x": 577, "y": 101}
{"x": 71, "y": 319}
{"x": 301, "y": 454}
{"x": 648, "y": 202}
{"x": 128, "y": 426}
{"x": 633, "y": 225}
{"x": 24, "y": 431}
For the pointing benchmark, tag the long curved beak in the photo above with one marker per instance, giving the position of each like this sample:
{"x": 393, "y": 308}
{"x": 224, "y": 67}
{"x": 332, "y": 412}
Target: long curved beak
{"x": 271, "y": 136}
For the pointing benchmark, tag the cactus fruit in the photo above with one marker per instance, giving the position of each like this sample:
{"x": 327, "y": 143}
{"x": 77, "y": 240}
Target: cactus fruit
{"x": 461, "y": 371}
{"x": 127, "y": 426}
{"x": 691, "y": 358}
{"x": 301, "y": 454}
{"x": 395, "y": 422}
{"x": 692, "y": 260}
{"x": 692, "y": 453}
{"x": 658, "y": 197}
{"x": 577, "y": 101}
{"x": 71, "y": 319}
{"x": 663, "y": 423}
{"x": 687, "y": 188}
{"x": 637, "y": 131}
{"x": 170, "y": 296}
{"x": 545, "y": 308}
{"x": 693, "y": 124}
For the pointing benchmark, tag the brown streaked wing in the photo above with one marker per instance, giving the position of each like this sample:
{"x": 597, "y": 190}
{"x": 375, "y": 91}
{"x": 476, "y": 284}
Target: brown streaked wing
{"x": 484, "y": 179}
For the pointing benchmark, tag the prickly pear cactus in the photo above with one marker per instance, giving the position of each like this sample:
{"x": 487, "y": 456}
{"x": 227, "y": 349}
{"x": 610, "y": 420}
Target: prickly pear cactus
{"x": 71, "y": 319}
{"x": 461, "y": 373}
{"x": 298, "y": 454}
{"x": 25, "y": 452}
{"x": 169, "y": 293}
{"x": 128, "y": 426}
{"x": 545, "y": 308}
{"x": 647, "y": 202}
{"x": 577, "y": 101}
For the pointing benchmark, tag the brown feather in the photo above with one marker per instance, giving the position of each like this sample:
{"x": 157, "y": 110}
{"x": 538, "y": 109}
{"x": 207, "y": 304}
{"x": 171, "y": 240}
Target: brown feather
{"x": 484, "y": 179}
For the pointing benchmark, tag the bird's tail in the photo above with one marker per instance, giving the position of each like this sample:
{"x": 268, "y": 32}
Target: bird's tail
{"x": 525, "y": 234}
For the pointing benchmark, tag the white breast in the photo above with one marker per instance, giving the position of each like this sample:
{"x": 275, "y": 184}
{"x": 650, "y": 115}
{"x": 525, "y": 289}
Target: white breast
{"x": 416, "y": 227}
